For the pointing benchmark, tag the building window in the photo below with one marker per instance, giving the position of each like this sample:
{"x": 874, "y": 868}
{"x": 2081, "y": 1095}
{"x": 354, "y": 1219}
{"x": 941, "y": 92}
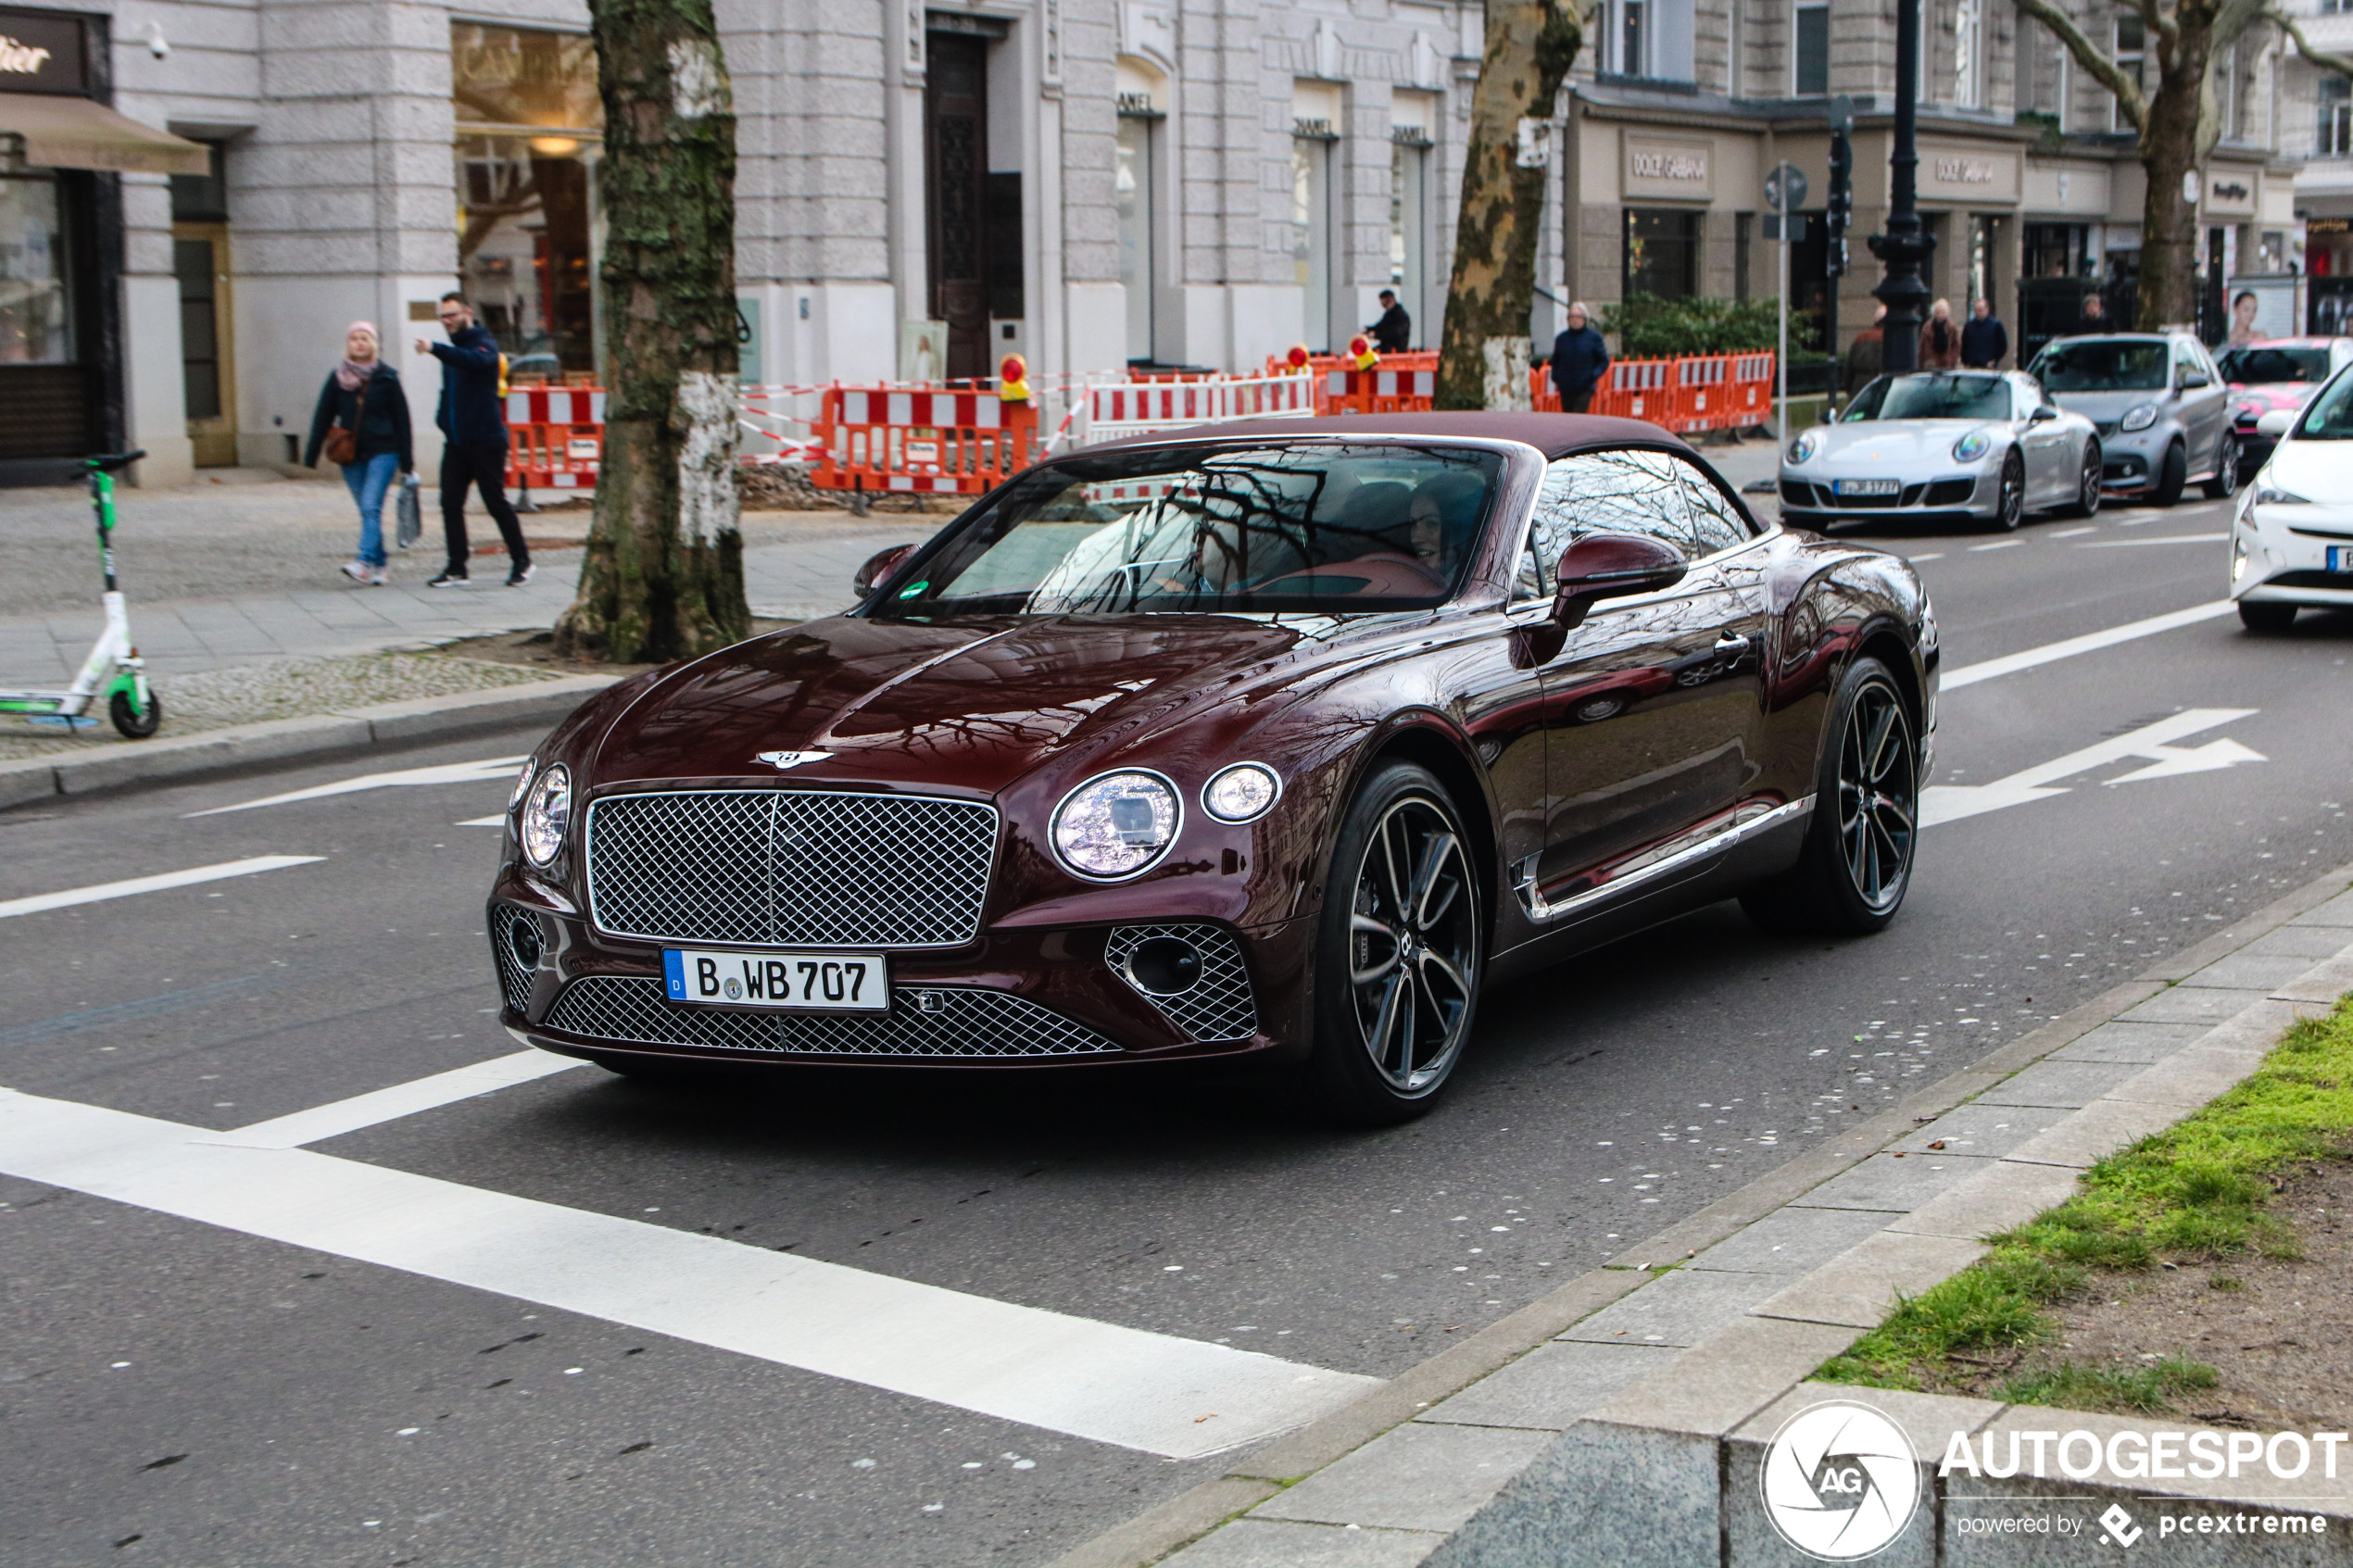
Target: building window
{"x": 2131, "y": 49}
{"x": 1812, "y": 53}
{"x": 1662, "y": 254}
{"x": 2335, "y": 138}
{"x": 1311, "y": 242}
{"x": 1408, "y": 224}
{"x": 530, "y": 128}
{"x": 1633, "y": 37}
{"x": 36, "y": 307}
{"x": 1967, "y": 46}
{"x": 1132, "y": 189}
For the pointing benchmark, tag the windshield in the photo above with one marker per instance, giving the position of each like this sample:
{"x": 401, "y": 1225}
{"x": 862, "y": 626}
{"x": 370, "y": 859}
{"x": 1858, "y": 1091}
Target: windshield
{"x": 1935, "y": 395}
{"x": 2251, "y": 367}
{"x": 1316, "y": 526}
{"x": 2329, "y": 417}
{"x": 2103, "y": 365}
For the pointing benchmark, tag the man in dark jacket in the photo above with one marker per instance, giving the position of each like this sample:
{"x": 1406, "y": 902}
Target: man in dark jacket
{"x": 473, "y": 428}
{"x": 1579, "y": 362}
{"x": 1394, "y": 331}
{"x": 1985, "y": 343}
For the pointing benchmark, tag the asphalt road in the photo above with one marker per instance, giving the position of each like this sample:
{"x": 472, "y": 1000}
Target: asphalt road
{"x": 188, "y": 1393}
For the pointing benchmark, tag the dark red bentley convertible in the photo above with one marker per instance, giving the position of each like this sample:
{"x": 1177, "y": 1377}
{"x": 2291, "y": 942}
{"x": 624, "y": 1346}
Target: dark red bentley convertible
{"x": 1277, "y": 739}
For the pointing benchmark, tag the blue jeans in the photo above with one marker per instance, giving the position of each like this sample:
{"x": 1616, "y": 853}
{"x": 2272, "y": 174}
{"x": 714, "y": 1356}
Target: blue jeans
{"x": 371, "y": 479}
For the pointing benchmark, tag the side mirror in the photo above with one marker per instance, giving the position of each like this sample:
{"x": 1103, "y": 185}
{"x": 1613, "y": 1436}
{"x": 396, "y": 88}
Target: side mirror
{"x": 2043, "y": 415}
{"x": 2192, "y": 380}
{"x": 2277, "y": 424}
{"x": 879, "y": 565}
{"x": 1612, "y": 566}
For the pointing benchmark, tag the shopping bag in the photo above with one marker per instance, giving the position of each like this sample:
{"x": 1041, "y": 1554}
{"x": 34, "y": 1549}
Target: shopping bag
{"x": 410, "y": 512}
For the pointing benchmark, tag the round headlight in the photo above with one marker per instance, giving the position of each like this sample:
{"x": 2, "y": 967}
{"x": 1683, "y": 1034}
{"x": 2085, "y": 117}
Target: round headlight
{"x": 522, "y": 783}
{"x": 1241, "y": 793}
{"x": 1973, "y": 446}
{"x": 547, "y": 812}
{"x": 1802, "y": 449}
{"x": 1116, "y": 825}
{"x": 2140, "y": 416}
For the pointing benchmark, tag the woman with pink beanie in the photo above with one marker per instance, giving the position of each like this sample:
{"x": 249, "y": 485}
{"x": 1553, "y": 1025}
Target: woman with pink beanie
{"x": 362, "y": 424}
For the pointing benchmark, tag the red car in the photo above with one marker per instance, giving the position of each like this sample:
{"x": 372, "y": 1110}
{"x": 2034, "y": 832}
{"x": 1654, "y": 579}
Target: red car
{"x": 1273, "y": 740}
{"x": 2281, "y": 372}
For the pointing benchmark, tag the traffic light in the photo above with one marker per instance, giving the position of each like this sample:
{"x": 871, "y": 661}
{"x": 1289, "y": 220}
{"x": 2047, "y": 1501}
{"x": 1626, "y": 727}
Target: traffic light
{"x": 1841, "y": 198}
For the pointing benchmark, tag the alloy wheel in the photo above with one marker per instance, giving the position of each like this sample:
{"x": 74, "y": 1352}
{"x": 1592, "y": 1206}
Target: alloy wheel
{"x": 1877, "y": 796}
{"x": 2226, "y": 468}
{"x": 2011, "y": 509}
{"x": 1413, "y": 944}
{"x": 2089, "y": 500}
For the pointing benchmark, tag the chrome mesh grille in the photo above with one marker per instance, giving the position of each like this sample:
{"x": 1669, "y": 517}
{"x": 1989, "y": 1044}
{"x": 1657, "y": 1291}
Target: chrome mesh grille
{"x": 790, "y": 867}
{"x": 1218, "y": 1004}
{"x": 922, "y": 1021}
{"x": 514, "y": 981}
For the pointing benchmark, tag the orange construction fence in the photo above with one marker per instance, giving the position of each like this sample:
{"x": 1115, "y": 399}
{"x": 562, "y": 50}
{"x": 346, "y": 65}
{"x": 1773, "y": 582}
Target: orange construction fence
{"x": 555, "y": 437}
{"x": 1686, "y": 395}
{"x": 1384, "y": 389}
{"x": 903, "y": 439}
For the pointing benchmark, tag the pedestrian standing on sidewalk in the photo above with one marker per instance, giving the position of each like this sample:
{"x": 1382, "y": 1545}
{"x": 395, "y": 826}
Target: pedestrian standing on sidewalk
{"x": 473, "y": 418}
{"x": 362, "y": 423}
{"x": 1579, "y": 362}
{"x": 1984, "y": 341}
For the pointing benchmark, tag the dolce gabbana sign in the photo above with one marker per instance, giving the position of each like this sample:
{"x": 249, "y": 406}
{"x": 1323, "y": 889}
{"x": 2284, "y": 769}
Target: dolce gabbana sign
{"x": 1669, "y": 168}
{"x": 42, "y": 52}
{"x": 1968, "y": 174}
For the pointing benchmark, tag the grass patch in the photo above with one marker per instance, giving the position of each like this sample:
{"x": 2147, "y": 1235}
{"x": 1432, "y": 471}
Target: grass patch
{"x": 2198, "y": 1192}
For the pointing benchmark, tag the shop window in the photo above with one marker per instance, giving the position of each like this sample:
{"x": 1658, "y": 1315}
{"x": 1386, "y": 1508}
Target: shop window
{"x": 529, "y": 133}
{"x": 1812, "y": 53}
{"x": 1311, "y": 236}
{"x": 1662, "y": 254}
{"x": 1132, "y": 193}
{"x": 2334, "y": 136}
{"x": 1408, "y": 223}
{"x": 36, "y": 304}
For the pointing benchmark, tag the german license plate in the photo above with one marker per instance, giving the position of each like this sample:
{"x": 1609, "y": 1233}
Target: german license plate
{"x": 2340, "y": 557}
{"x": 1865, "y": 486}
{"x": 802, "y": 981}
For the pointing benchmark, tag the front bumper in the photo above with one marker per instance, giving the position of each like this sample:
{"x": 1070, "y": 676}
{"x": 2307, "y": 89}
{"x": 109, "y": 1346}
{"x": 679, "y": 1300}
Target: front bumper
{"x": 1024, "y": 997}
{"x": 2279, "y": 555}
{"x": 1808, "y": 500}
{"x": 2131, "y": 462}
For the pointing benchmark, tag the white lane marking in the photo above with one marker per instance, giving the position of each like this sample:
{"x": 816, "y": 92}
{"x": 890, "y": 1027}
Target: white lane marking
{"x": 1932, "y": 555}
{"x": 1996, "y": 544}
{"x": 447, "y": 772}
{"x": 401, "y": 1099}
{"x": 2160, "y": 539}
{"x": 1948, "y": 803}
{"x": 105, "y": 890}
{"x": 496, "y": 821}
{"x": 1096, "y": 1381}
{"x": 2071, "y": 533}
{"x": 2009, "y": 664}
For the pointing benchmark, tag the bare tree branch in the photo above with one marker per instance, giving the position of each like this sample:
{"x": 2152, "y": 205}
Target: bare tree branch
{"x": 2092, "y": 60}
{"x": 2342, "y": 64}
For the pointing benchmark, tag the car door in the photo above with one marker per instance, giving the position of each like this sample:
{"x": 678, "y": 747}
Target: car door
{"x": 1650, "y": 705}
{"x": 2049, "y": 473}
{"x": 2204, "y": 408}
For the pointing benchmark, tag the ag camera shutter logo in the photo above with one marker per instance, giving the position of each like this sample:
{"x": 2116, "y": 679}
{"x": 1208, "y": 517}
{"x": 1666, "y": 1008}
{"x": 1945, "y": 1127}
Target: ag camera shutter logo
{"x": 1839, "y": 1481}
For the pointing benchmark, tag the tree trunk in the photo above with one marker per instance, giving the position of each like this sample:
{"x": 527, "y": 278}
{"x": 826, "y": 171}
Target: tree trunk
{"x": 663, "y": 577}
{"x": 2167, "y": 285}
{"x": 1483, "y": 360}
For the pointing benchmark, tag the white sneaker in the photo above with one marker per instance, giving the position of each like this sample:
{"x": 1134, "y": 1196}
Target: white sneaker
{"x": 378, "y": 577}
{"x": 357, "y": 571}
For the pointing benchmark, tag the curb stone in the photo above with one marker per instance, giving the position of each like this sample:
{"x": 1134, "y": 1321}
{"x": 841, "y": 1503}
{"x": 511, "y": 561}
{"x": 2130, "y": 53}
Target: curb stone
{"x": 1689, "y": 1414}
{"x": 410, "y": 721}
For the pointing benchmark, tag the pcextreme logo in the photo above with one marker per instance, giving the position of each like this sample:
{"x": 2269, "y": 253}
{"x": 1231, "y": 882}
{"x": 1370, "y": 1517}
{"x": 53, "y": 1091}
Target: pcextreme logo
{"x": 1839, "y": 1481}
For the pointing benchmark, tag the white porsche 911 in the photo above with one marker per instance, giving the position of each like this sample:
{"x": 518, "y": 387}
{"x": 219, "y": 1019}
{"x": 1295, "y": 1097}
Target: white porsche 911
{"x": 1983, "y": 445}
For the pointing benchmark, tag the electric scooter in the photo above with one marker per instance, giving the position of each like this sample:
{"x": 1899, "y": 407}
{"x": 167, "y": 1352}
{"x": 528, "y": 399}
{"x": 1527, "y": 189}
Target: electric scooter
{"x": 114, "y": 672}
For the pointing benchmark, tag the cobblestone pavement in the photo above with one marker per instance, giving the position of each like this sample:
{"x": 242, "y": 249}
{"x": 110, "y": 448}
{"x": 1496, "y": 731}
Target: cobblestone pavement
{"x": 240, "y": 568}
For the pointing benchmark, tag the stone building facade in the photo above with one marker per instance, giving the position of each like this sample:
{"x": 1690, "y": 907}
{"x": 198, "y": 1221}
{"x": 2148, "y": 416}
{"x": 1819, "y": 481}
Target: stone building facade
{"x": 924, "y": 187}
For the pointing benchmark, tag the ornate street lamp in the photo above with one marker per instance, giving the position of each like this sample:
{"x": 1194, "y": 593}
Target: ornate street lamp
{"x": 1907, "y": 244}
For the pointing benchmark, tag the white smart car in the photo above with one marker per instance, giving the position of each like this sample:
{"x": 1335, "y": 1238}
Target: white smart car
{"x": 2292, "y": 541}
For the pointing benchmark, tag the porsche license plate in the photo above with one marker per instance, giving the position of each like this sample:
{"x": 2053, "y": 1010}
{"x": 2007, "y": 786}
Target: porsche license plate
{"x": 2340, "y": 557}
{"x": 802, "y": 981}
{"x": 1865, "y": 486}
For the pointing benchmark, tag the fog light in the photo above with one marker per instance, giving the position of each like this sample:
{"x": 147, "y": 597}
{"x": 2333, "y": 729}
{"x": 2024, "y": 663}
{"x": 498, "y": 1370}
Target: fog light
{"x": 522, "y": 940}
{"x": 1164, "y": 966}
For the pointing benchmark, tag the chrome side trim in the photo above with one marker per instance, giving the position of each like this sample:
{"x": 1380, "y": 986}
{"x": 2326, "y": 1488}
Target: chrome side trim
{"x": 1712, "y": 837}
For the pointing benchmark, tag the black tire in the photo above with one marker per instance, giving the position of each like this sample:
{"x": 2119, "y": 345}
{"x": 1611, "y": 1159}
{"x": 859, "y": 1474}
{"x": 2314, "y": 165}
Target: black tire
{"x": 2087, "y": 487}
{"x": 2225, "y": 482}
{"x": 1398, "y": 954}
{"x": 2009, "y": 508}
{"x": 135, "y": 726}
{"x": 1856, "y": 863}
{"x": 2172, "y": 475}
{"x": 2266, "y": 619}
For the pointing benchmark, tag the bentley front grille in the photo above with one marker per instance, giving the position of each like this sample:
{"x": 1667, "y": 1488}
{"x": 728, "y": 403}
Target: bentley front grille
{"x": 1217, "y": 1005}
{"x": 942, "y": 1020}
{"x": 790, "y": 867}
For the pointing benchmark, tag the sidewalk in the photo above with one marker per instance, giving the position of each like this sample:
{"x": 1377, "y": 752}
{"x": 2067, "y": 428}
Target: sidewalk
{"x": 1618, "y": 1420}
{"x": 244, "y": 570}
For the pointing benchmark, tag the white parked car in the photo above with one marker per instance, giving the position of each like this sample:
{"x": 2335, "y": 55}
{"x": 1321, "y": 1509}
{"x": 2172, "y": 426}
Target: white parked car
{"x": 2292, "y": 541}
{"x": 1978, "y": 446}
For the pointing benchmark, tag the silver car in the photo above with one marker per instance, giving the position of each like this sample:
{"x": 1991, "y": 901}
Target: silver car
{"x": 2163, "y": 411}
{"x": 1981, "y": 446}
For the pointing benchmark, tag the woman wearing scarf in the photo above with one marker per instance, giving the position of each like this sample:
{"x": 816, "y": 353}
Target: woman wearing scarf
{"x": 362, "y": 424}
{"x": 1940, "y": 339}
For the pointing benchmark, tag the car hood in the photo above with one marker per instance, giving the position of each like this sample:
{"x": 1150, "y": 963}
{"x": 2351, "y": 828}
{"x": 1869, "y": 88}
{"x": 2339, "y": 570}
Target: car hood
{"x": 2318, "y": 470}
{"x": 1895, "y": 446}
{"x": 2106, "y": 408}
{"x": 974, "y": 705}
